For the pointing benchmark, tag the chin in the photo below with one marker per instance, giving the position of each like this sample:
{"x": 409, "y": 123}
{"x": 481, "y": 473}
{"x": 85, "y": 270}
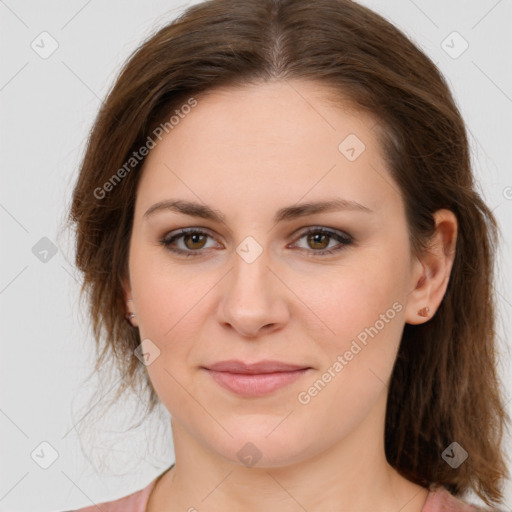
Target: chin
{"x": 253, "y": 446}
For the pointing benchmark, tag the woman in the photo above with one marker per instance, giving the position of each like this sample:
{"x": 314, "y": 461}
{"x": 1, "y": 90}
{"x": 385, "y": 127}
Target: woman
{"x": 278, "y": 197}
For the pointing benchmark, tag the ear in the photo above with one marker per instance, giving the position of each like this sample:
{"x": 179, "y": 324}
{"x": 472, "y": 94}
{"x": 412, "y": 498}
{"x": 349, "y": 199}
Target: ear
{"x": 431, "y": 272}
{"x": 128, "y": 301}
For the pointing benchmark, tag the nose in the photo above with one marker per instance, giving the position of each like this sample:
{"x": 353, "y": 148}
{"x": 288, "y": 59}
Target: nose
{"x": 253, "y": 298}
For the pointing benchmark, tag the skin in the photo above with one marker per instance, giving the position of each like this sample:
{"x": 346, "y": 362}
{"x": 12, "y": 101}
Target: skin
{"x": 247, "y": 152}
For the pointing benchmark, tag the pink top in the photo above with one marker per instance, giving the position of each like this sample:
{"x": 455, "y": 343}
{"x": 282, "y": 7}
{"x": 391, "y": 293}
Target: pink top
{"x": 438, "y": 500}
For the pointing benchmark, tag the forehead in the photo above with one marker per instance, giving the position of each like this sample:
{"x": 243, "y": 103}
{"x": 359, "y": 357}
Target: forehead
{"x": 282, "y": 139}
{"x": 274, "y": 112}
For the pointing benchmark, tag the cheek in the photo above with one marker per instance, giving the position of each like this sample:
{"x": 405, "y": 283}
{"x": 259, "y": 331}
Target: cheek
{"x": 167, "y": 308}
{"x": 362, "y": 317}
{"x": 352, "y": 299}
{"x": 170, "y": 308}
{"x": 165, "y": 293}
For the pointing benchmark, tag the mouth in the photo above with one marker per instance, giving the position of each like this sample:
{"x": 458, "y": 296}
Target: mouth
{"x": 255, "y": 379}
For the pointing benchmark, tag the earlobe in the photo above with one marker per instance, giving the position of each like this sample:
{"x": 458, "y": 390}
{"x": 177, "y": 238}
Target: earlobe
{"x": 129, "y": 318}
{"x": 434, "y": 269}
{"x": 130, "y": 314}
{"x": 419, "y": 306}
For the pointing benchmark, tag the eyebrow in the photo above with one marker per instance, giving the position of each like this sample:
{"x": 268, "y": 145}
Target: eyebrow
{"x": 284, "y": 214}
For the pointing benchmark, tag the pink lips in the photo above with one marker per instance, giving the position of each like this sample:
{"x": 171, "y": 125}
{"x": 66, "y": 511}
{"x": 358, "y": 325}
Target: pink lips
{"x": 255, "y": 379}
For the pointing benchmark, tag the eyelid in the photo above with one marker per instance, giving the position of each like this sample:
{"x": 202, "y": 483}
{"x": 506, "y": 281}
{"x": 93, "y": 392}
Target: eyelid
{"x": 344, "y": 239}
{"x": 325, "y": 229}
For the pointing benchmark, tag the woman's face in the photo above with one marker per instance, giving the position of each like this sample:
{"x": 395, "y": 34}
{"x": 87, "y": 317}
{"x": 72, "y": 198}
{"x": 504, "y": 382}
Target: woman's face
{"x": 256, "y": 287}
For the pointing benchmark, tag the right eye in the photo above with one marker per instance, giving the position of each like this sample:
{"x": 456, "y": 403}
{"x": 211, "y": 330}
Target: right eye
{"x": 192, "y": 241}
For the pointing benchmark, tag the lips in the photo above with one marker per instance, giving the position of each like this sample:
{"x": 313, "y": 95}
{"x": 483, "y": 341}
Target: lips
{"x": 255, "y": 379}
{"x": 267, "y": 366}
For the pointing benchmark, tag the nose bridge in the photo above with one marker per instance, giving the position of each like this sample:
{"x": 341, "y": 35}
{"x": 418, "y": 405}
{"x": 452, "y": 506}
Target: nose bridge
{"x": 249, "y": 286}
{"x": 251, "y": 298}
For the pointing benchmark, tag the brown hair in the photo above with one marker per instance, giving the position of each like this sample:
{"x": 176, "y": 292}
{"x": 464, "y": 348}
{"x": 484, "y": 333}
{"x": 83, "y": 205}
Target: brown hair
{"x": 444, "y": 386}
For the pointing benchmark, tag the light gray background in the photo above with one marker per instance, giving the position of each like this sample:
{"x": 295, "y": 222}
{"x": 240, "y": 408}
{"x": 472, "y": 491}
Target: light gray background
{"x": 47, "y": 108}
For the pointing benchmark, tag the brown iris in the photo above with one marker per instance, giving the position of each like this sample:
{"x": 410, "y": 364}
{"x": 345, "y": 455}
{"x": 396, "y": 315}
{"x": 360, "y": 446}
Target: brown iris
{"x": 315, "y": 238}
{"x": 195, "y": 238}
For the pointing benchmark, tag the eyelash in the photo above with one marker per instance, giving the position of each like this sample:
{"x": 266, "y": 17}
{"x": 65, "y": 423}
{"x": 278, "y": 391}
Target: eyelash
{"x": 344, "y": 240}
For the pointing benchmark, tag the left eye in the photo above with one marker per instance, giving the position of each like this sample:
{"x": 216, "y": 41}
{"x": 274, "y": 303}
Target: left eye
{"x": 318, "y": 239}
